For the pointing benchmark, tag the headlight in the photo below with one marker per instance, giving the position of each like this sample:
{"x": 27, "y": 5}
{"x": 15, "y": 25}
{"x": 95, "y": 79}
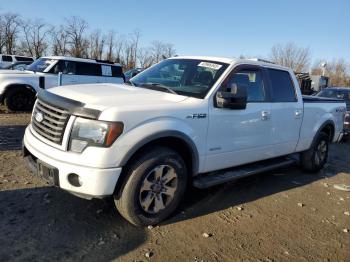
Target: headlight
{"x": 87, "y": 132}
{"x": 347, "y": 118}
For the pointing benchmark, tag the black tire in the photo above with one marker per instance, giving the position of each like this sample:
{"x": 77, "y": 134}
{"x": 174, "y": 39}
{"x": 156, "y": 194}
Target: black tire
{"x": 19, "y": 99}
{"x": 311, "y": 160}
{"x": 128, "y": 198}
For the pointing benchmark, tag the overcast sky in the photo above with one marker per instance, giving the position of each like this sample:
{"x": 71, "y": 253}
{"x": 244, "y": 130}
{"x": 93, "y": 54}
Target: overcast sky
{"x": 218, "y": 28}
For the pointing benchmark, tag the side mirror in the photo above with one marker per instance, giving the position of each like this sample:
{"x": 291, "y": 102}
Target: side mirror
{"x": 235, "y": 99}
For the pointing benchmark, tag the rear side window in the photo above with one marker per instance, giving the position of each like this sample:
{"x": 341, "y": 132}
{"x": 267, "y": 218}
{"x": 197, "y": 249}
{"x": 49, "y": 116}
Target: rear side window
{"x": 21, "y": 58}
{"x": 88, "y": 69}
{"x": 282, "y": 87}
{"x": 6, "y": 58}
{"x": 117, "y": 71}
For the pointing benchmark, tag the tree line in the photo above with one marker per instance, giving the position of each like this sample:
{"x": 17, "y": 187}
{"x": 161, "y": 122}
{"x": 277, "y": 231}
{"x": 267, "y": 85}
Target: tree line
{"x": 299, "y": 59}
{"x": 73, "y": 37}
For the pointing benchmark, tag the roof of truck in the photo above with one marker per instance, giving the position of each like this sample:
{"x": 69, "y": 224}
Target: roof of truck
{"x": 254, "y": 61}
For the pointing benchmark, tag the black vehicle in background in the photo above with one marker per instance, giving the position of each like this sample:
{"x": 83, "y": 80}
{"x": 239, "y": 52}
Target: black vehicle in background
{"x": 339, "y": 93}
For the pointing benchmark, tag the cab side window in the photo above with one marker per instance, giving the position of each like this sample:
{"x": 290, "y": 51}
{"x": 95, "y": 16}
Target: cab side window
{"x": 64, "y": 67}
{"x": 252, "y": 80}
{"x": 282, "y": 87}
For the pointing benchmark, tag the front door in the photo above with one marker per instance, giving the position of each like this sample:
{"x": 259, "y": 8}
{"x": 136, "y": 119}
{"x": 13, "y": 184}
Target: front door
{"x": 237, "y": 137}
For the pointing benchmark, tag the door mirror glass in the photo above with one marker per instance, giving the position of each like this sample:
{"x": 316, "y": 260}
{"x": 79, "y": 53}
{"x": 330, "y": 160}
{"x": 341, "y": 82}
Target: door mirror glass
{"x": 234, "y": 98}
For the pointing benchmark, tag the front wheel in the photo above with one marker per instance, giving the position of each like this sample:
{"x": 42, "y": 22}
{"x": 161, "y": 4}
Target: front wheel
{"x": 19, "y": 99}
{"x": 316, "y": 157}
{"x": 155, "y": 184}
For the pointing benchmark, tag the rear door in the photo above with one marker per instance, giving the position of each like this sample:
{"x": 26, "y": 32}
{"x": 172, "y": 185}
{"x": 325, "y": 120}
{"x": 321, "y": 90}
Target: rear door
{"x": 286, "y": 110}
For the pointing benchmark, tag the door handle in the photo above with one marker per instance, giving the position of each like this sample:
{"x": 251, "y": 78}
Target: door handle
{"x": 265, "y": 115}
{"x": 298, "y": 113}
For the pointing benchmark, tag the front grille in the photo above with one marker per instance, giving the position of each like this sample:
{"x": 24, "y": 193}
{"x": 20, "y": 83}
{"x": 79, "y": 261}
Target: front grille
{"x": 53, "y": 121}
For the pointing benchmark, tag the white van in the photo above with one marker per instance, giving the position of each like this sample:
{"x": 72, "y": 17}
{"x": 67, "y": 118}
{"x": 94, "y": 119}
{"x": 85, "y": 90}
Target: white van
{"x": 18, "y": 88}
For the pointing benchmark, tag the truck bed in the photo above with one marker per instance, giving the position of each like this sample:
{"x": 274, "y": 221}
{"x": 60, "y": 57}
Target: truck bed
{"x": 317, "y": 99}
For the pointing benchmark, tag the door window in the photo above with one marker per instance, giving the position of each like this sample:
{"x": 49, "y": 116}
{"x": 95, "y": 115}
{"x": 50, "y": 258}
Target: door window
{"x": 89, "y": 69}
{"x": 6, "y": 58}
{"x": 117, "y": 71}
{"x": 282, "y": 87}
{"x": 106, "y": 70}
{"x": 64, "y": 67}
{"x": 252, "y": 80}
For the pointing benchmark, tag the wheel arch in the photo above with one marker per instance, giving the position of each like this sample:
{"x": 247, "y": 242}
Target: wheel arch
{"x": 328, "y": 127}
{"x": 176, "y": 140}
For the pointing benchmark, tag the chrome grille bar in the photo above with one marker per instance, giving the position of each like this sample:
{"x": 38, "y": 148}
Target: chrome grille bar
{"x": 52, "y": 121}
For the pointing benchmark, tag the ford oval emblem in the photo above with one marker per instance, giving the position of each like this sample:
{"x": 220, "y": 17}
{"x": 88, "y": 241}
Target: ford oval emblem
{"x": 39, "y": 117}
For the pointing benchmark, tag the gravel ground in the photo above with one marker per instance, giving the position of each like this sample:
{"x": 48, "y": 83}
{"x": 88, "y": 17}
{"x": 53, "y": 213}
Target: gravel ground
{"x": 285, "y": 215}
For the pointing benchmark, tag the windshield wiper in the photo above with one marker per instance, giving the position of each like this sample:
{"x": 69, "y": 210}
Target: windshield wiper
{"x": 158, "y": 87}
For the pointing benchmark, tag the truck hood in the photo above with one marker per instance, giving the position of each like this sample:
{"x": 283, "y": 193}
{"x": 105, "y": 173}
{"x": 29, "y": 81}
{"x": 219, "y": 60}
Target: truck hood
{"x": 103, "y": 96}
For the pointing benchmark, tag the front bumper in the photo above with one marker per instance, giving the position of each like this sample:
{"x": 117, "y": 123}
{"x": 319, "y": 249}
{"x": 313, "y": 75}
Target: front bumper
{"x": 95, "y": 182}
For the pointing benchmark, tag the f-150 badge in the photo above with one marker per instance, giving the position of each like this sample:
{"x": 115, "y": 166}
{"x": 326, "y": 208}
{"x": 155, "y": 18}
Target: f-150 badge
{"x": 193, "y": 116}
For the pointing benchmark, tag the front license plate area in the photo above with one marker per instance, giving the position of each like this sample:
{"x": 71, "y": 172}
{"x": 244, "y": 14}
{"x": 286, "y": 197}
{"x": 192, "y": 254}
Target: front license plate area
{"x": 48, "y": 173}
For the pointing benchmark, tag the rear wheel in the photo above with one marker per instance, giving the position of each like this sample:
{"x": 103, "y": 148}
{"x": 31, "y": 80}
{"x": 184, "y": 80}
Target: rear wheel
{"x": 315, "y": 158}
{"x": 154, "y": 185}
{"x": 19, "y": 99}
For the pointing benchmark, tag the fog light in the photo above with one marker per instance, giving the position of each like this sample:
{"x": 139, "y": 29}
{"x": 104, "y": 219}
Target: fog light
{"x": 74, "y": 180}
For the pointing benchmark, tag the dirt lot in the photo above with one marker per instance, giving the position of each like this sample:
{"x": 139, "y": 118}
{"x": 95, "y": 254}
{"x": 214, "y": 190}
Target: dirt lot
{"x": 254, "y": 219}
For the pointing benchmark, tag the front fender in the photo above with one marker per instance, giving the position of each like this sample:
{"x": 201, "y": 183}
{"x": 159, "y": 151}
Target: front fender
{"x": 127, "y": 144}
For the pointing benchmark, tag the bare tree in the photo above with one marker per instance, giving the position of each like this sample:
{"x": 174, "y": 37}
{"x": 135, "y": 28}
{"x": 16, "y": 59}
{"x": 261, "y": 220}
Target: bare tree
{"x": 110, "y": 38}
{"x": 157, "y": 51}
{"x": 145, "y": 57}
{"x": 2, "y": 34}
{"x": 59, "y": 41}
{"x": 292, "y": 56}
{"x": 76, "y": 29}
{"x": 135, "y": 45}
{"x": 35, "y": 38}
{"x": 97, "y": 42}
{"x": 161, "y": 50}
{"x": 169, "y": 50}
{"x": 10, "y": 27}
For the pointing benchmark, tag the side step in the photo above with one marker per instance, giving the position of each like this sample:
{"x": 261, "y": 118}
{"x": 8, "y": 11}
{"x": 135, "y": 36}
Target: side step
{"x": 226, "y": 175}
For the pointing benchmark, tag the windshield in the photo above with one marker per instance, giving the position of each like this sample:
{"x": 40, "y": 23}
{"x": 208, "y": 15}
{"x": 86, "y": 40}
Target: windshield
{"x": 339, "y": 94}
{"x": 41, "y": 64}
{"x": 188, "y": 77}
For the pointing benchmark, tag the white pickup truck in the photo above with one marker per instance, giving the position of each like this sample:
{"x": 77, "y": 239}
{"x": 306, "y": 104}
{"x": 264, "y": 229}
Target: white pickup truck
{"x": 186, "y": 120}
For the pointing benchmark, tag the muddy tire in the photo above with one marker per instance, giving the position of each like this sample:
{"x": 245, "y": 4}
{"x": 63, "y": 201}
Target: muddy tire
{"x": 19, "y": 99}
{"x": 315, "y": 158}
{"x": 154, "y": 186}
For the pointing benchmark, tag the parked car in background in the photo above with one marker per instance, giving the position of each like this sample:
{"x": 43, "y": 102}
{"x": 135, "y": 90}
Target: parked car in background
{"x": 6, "y": 60}
{"x": 17, "y": 66}
{"x": 186, "y": 120}
{"x": 339, "y": 93}
{"x": 131, "y": 73}
{"x": 18, "y": 88}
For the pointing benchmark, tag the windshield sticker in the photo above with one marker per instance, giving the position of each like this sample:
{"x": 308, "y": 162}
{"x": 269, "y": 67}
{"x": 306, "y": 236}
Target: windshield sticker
{"x": 210, "y": 65}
